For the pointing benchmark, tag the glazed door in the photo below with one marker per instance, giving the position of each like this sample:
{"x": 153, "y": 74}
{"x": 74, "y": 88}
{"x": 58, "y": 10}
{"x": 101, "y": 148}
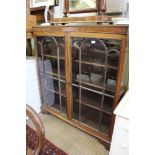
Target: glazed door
{"x": 51, "y": 69}
{"x": 95, "y": 65}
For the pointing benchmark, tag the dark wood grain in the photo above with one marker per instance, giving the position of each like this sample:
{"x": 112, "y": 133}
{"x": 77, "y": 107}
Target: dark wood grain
{"x": 104, "y": 29}
{"x": 88, "y": 19}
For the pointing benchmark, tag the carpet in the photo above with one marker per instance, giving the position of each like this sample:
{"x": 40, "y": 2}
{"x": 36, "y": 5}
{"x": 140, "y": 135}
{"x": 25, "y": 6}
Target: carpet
{"x": 48, "y": 149}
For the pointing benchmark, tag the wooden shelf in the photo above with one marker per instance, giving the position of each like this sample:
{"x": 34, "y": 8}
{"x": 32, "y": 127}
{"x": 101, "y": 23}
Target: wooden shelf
{"x": 91, "y": 19}
{"x": 95, "y": 64}
{"x": 92, "y": 90}
{"x": 55, "y": 86}
{"x": 104, "y": 110}
{"x": 98, "y": 85}
{"x": 55, "y": 74}
{"x": 56, "y": 91}
{"x": 54, "y": 56}
{"x": 55, "y": 78}
{"x": 95, "y": 105}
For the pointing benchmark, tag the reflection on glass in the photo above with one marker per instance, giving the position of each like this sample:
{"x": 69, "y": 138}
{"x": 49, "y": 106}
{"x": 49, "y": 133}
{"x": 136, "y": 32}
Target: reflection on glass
{"x": 51, "y": 62}
{"x": 81, "y": 4}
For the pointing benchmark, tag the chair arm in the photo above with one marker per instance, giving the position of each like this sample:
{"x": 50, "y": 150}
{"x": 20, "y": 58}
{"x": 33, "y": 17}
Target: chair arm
{"x": 30, "y": 112}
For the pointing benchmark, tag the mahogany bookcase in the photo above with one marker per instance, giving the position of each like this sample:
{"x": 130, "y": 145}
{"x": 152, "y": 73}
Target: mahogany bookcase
{"x": 80, "y": 72}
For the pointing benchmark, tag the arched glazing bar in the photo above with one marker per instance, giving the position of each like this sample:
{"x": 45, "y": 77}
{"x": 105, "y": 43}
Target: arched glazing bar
{"x": 46, "y": 40}
{"x": 80, "y": 47}
{"x": 84, "y": 54}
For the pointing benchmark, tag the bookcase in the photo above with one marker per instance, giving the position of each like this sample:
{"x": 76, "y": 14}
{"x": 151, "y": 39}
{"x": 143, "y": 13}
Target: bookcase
{"x": 80, "y": 75}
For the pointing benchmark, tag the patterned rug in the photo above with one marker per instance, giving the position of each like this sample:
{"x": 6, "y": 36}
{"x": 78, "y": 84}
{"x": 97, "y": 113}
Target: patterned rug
{"x": 48, "y": 149}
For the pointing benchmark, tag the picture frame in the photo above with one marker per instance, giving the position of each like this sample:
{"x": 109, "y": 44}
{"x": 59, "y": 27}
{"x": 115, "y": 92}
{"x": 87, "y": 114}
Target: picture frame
{"x": 40, "y": 3}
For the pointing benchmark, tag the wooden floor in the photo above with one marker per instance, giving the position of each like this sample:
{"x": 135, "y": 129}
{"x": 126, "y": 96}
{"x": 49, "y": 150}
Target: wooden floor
{"x": 72, "y": 140}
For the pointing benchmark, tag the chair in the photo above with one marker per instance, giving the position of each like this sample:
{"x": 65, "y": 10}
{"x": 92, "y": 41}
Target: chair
{"x": 30, "y": 112}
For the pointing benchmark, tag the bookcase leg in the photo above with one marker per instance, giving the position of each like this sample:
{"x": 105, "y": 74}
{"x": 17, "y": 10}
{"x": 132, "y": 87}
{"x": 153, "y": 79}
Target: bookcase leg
{"x": 107, "y": 146}
{"x": 44, "y": 112}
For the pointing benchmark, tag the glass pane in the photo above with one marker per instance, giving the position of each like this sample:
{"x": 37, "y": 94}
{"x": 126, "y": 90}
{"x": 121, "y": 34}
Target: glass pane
{"x": 75, "y": 110}
{"x": 51, "y": 62}
{"x": 40, "y": 58}
{"x": 64, "y": 106}
{"x": 56, "y": 101}
{"x": 91, "y": 99}
{"x": 52, "y": 65}
{"x": 105, "y": 123}
{"x": 53, "y": 85}
{"x": 86, "y": 115}
{"x": 90, "y": 116}
{"x": 94, "y": 74}
{"x": 81, "y": 4}
{"x": 94, "y": 100}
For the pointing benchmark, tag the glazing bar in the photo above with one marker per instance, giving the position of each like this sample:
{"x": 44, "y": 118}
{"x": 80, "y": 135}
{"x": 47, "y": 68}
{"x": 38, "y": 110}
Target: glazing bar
{"x": 58, "y": 63}
{"x": 104, "y": 83}
{"x": 79, "y": 84}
